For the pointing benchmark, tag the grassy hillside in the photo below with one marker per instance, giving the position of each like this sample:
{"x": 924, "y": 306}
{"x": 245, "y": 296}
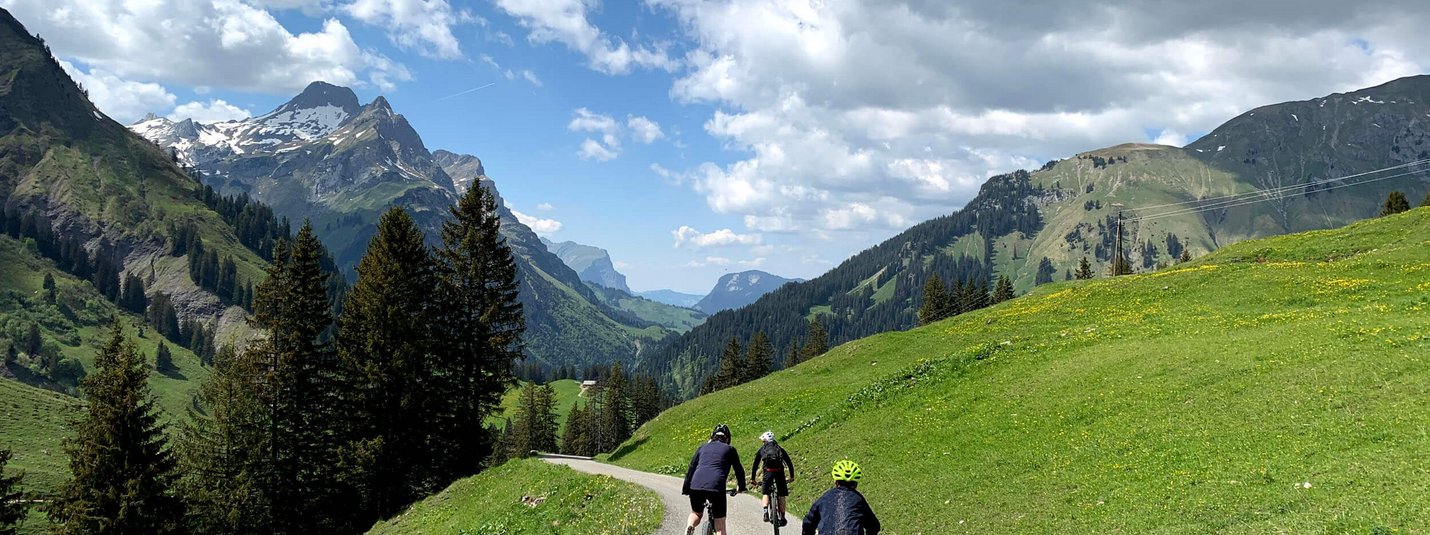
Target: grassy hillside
{"x": 491, "y": 503}
{"x": 568, "y": 391}
{"x": 1276, "y": 386}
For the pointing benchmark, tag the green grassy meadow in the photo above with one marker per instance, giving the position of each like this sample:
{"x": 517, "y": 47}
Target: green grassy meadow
{"x": 490, "y": 503}
{"x": 1275, "y": 386}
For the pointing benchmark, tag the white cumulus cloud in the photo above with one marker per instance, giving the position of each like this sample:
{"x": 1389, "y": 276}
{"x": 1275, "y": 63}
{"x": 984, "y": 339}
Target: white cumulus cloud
{"x": 422, "y": 25}
{"x": 123, "y": 100}
{"x": 644, "y": 130}
{"x": 213, "y": 111}
{"x": 220, "y": 43}
{"x": 853, "y": 115}
{"x": 686, "y": 236}
{"x": 542, "y": 227}
{"x": 565, "y": 22}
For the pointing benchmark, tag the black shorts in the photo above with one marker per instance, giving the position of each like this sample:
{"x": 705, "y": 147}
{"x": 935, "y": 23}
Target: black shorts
{"x": 774, "y": 481}
{"x": 716, "y": 499}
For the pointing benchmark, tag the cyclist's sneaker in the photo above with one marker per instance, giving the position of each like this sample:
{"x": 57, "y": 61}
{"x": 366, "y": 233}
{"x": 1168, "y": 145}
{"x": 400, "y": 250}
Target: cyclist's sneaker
{"x": 767, "y": 515}
{"x": 689, "y": 530}
{"x": 783, "y": 521}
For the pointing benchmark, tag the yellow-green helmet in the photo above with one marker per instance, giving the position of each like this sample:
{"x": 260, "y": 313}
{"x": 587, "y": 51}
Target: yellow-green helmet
{"x": 847, "y": 470}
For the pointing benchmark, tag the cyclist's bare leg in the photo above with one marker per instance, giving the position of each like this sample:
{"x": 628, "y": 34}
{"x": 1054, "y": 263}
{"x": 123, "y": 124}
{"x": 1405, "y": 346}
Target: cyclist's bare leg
{"x": 782, "y": 505}
{"x": 694, "y": 520}
{"x": 719, "y": 526}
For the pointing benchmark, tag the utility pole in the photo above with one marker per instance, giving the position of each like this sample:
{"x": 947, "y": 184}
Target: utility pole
{"x": 1118, "y": 263}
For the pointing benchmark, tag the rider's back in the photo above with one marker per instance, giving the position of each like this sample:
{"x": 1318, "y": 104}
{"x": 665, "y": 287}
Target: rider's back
{"x": 841, "y": 511}
{"x": 712, "y": 463}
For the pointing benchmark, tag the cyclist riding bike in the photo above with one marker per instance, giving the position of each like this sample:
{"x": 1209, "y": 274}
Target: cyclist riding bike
{"x": 842, "y": 510}
{"x": 706, "y": 477}
{"x": 770, "y": 462}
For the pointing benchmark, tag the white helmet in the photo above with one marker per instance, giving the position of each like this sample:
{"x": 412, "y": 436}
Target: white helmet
{"x": 767, "y": 436}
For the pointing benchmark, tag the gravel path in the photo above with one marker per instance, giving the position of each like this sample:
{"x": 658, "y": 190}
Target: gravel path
{"x": 744, "y": 510}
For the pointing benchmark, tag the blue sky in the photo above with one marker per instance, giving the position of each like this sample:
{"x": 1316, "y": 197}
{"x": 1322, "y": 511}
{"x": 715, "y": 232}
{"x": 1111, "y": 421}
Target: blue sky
{"x": 692, "y": 138}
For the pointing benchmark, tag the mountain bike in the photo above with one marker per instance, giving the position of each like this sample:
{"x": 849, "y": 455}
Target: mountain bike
{"x": 774, "y": 517}
{"x": 709, "y": 521}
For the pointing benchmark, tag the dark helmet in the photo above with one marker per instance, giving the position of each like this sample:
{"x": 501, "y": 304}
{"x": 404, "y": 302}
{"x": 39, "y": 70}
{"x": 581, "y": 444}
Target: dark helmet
{"x": 721, "y": 433}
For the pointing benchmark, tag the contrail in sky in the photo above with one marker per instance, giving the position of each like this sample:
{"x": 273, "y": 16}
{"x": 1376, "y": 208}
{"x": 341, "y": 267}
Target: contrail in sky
{"x": 472, "y": 90}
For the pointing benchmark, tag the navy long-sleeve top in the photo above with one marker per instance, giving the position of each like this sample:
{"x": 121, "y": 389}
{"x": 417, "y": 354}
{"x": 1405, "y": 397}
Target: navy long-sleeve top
{"x": 710, "y": 468}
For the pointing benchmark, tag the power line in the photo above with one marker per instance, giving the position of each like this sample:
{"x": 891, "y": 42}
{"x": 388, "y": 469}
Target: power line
{"x": 1273, "y": 191}
{"x": 1244, "y": 202}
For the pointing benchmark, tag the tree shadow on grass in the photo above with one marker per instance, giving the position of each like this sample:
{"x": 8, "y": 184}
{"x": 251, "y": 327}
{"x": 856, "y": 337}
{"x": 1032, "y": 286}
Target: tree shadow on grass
{"x": 627, "y": 448}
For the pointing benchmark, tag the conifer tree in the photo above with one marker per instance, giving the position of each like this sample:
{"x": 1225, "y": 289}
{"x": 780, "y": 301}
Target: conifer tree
{"x": 731, "y": 366}
{"x": 163, "y": 359}
{"x": 1425, "y": 202}
{"x": 536, "y": 420}
{"x": 614, "y": 423}
{"x": 302, "y": 484}
{"x": 49, "y": 286}
{"x": 573, "y": 439}
{"x": 936, "y": 304}
{"x": 1394, "y": 203}
{"x": 646, "y": 400}
{"x": 818, "y": 341}
{"x": 132, "y": 297}
{"x": 224, "y": 451}
{"x": 481, "y": 324}
{"x": 385, "y": 345}
{"x": 791, "y": 355}
{"x": 13, "y": 506}
{"x": 1004, "y": 290}
{"x": 1084, "y": 270}
{"x": 122, "y": 470}
{"x": 33, "y": 341}
{"x": 759, "y": 356}
{"x": 1186, "y": 256}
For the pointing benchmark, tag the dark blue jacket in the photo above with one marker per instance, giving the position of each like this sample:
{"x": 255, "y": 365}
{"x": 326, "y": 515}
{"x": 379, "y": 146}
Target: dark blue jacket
{"x": 710, "y": 467}
{"x": 841, "y": 511}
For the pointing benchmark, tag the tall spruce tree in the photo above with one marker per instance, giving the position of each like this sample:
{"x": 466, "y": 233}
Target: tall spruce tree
{"x": 759, "y": 356}
{"x": 535, "y": 425}
{"x": 303, "y": 485}
{"x": 791, "y": 355}
{"x": 163, "y": 359}
{"x": 936, "y": 305}
{"x": 385, "y": 344}
{"x": 1425, "y": 202}
{"x": 614, "y": 423}
{"x": 224, "y": 448}
{"x": 481, "y": 325}
{"x": 13, "y": 506}
{"x": 1084, "y": 270}
{"x": 1394, "y": 203}
{"x": 132, "y": 298}
{"x": 817, "y": 342}
{"x": 573, "y": 439}
{"x": 1186, "y": 256}
{"x": 122, "y": 469}
{"x": 731, "y": 367}
{"x": 646, "y": 400}
{"x": 1003, "y": 291}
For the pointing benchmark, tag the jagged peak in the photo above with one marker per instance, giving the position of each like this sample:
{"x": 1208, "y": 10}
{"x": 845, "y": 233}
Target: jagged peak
{"x": 319, "y": 94}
